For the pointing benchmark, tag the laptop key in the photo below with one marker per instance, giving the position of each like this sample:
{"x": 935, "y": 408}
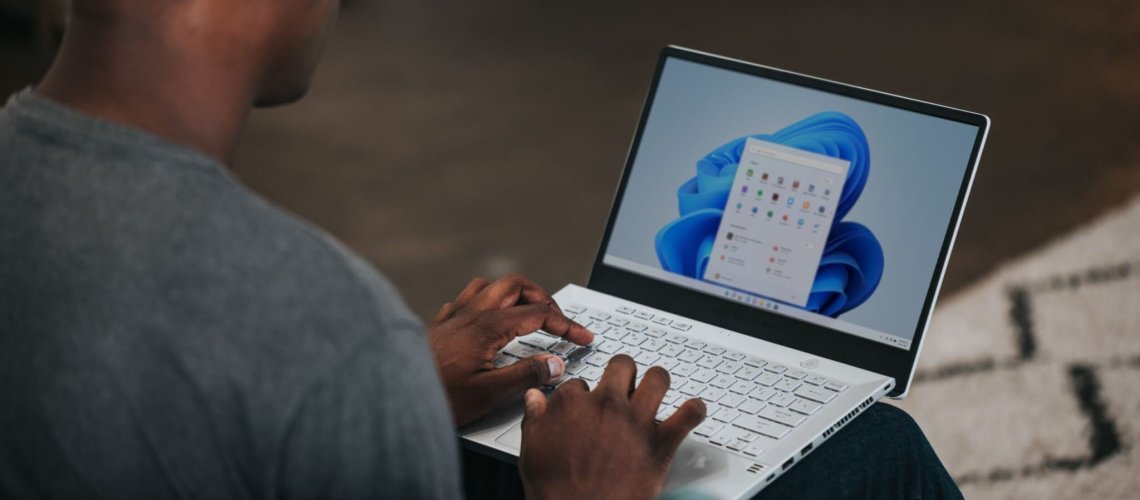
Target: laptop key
{"x": 502, "y": 360}
{"x": 752, "y": 406}
{"x": 598, "y": 315}
{"x": 667, "y": 363}
{"x": 696, "y": 344}
{"x": 703, "y": 376}
{"x": 755, "y": 362}
{"x": 714, "y": 350}
{"x": 787, "y": 385}
{"x": 684, "y": 327}
{"x": 748, "y": 373}
{"x": 815, "y": 394}
{"x": 763, "y": 394}
{"x": 753, "y": 449}
{"x": 732, "y": 400}
{"x": 734, "y": 356}
{"x": 692, "y": 388}
{"x": 625, "y": 310}
{"x": 781, "y": 399}
{"x": 762, "y": 426}
{"x": 723, "y": 381}
{"x": 676, "y": 338}
{"x": 671, "y": 350}
{"x": 728, "y": 367}
{"x": 684, "y": 370}
{"x": 709, "y": 361}
{"x": 591, "y": 373}
{"x": 652, "y": 344}
{"x": 774, "y": 368}
{"x": 798, "y": 374}
{"x": 815, "y": 380}
{"x": 645, "y": 315}
{"x": 540, "y": 341}
{"x": 788, "y": 418}
{"x": 656, "y": 333}
{"x": 767, "y": 379}
{"x": 577, "y": 309}
{"x": 690, "y": 356}
{"x": 708, "y": 429}
{"x": 637, "y": 327}
{"x": 835, "y": 386}
{"x": 662, "y": 320}
{"x": 742, "y": 387}
{"x": 712, "y": 394}
{"x": 804, "y": 406}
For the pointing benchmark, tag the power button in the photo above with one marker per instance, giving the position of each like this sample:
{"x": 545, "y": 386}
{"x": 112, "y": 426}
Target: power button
{"x": 810, "y": 363}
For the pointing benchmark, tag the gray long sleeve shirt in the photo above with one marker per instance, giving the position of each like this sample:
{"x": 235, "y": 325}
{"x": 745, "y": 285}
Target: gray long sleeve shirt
{"x": 165, "y": 333}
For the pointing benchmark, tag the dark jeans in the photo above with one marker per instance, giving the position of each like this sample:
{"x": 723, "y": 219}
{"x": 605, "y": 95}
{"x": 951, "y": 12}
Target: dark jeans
{"x": 880, "y": 454}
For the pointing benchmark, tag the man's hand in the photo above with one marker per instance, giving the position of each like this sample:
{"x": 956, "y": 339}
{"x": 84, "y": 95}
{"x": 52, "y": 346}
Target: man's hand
{"x": 604, "y": 443}
{"x": 467, "y": 333}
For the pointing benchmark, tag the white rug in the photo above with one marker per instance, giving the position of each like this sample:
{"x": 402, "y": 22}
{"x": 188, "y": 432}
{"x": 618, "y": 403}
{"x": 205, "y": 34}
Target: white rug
{"x": 1029, "y": 382}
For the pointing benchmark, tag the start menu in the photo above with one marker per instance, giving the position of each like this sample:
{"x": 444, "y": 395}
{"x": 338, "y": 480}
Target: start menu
{"x": 776, "y": 221}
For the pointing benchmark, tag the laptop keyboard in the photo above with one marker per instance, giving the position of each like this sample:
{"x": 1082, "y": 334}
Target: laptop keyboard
{"x": 751, "y": 401}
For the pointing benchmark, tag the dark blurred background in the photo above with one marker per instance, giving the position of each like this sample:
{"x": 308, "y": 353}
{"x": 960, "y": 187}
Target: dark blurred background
{"x": 444, "y": 140}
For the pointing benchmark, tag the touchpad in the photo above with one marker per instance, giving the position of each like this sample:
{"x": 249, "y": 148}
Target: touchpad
{"x": 512, "y": 438}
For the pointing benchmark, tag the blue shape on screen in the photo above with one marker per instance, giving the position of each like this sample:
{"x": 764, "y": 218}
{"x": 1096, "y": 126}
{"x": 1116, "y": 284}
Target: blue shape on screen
{"x": 852, "y": 262}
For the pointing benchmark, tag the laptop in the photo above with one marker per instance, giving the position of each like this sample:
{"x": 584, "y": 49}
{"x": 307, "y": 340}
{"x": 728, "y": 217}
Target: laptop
{"x": 777, "y": 242}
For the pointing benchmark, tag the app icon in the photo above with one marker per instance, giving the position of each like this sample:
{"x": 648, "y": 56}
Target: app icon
{"x": 764, "y": 176}
{"x": 722, "y": 258}
{"x": 827, "y": 192}
{"x": 749, "y": 172}
{"x": 769, "y": 214}
{"x": 775, "y": 196}
{"x": 754, "y": 210}
{"x": 739, "y": 206}
{"x": 743, "y": 189}
{"x": 807, "y": 205}
{"x": 811, "y": 188}
{"x": 780, "y": 180}
{"x": 729, "y": 236}
{"x": 769, "y": 270}
{"x": 775, "y": 248}
{"x": 772, "y": 260}
{"x": 759, "y": 193}
{"x": 791, "y": 201}
{"x": 795, "y": 184}
{"x": 822, "y": 209}
{"x": 785, "y": 217}
{"x": 800, "y": 222}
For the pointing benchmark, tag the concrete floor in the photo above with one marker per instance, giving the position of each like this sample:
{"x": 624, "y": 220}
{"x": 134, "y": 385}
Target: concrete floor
{"x": 447, "y": 139}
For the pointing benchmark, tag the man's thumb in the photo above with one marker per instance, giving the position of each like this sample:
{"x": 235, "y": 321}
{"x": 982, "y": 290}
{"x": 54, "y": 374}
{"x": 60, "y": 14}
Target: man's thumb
{"x": 530, "y": 372}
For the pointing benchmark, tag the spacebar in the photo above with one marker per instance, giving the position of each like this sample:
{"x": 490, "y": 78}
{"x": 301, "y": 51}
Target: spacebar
{"x": 760, "y": 426}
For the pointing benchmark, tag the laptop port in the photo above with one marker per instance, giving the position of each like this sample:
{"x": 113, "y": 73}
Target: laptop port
{"x": 787, "y": 465}
{"x": 807, "y": 449}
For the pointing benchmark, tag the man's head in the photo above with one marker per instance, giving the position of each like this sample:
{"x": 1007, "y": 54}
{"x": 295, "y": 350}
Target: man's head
{"x": 274, "y": 44}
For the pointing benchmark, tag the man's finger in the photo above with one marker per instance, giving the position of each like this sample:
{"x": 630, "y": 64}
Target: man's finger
{"x": 506, "y": 324}
{"x": 512, "y": 290}
{"x": 674, "y": 429}
{"x": 506, "y": 382}
{"x": 445, "y": 312}
{"x": 617, "y": 380}
{"x": 469, "y": 292}
{"x": 534, "y": 406}
{"x": 649, "y": 393}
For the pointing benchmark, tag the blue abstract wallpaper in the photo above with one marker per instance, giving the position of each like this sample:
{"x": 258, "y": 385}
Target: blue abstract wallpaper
{"x": 852, "y": 262}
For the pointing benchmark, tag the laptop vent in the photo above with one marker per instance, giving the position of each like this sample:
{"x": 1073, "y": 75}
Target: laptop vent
{"x": 755, "y": 468}
{"x": 847, "y": 418}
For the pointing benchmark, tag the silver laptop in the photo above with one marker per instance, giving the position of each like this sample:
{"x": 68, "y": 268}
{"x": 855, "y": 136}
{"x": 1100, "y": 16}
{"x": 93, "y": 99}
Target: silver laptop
{"x": 777, "y": 242}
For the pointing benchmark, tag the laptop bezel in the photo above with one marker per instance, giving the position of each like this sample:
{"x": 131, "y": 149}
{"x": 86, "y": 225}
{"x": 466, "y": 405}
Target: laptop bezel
{"x": 773, "y": 327}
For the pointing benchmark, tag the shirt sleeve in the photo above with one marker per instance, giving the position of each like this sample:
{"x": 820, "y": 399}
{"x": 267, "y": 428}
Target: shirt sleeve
{"x": 379, "y": 427}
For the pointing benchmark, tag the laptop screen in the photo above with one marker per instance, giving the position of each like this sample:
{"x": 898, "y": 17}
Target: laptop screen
{"x": 813, "y": 205}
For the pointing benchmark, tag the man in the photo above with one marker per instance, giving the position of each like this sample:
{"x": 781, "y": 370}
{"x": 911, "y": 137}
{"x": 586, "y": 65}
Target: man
{"x": 166, "y": 333}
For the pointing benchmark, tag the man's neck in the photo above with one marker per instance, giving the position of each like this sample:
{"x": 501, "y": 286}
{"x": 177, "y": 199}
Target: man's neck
{"x": 138, "y": 80}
